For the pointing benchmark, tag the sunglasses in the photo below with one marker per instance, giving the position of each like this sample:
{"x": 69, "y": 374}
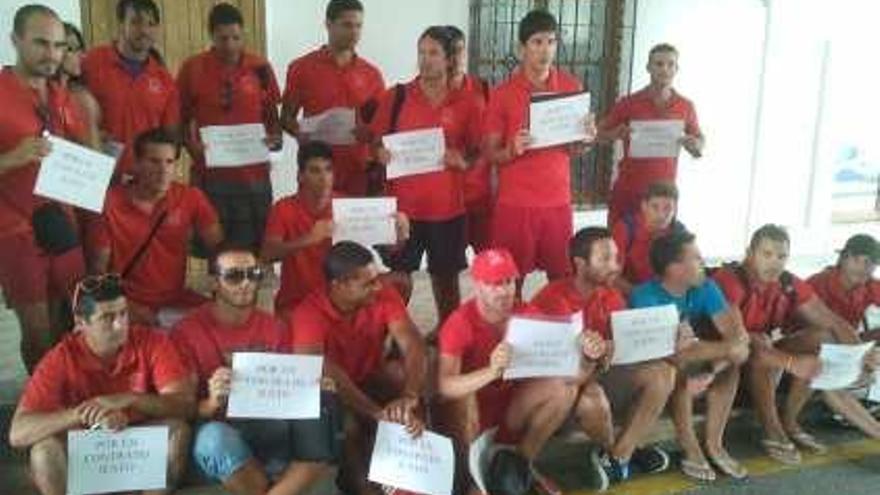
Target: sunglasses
{"x": 236, "y": 276}
{"x": 94, "y": 284}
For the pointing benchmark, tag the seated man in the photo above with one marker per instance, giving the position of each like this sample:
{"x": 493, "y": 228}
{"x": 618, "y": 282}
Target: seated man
{"x": 242, "y": 454}
{"x": 349, "y": 322}
{"x": 145, "y": 230}
{"x": 849, "y": 288}
{"x": 634, "y": 232}
{"x": 591, "y": 291}
{"x": 299, "y": 231}
{"x": 713, "y": 360}
{"x": 105, "y": 374}
{"x": 770, "y": 299}
{"x": 473, "y": 357}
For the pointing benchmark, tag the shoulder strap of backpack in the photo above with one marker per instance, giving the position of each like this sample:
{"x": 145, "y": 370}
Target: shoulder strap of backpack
{"x": 396, "y": 107}
{"x": 629, "y": 222}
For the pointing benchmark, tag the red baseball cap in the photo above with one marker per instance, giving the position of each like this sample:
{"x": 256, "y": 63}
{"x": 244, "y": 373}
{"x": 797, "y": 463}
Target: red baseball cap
{"x": 494, "y": 266}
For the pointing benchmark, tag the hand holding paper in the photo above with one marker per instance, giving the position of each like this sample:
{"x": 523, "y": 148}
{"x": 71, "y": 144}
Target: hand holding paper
{"x": 422, "y": 465}
{"x": 368, "y": 221}
{"x": 559, "y": 119}
{"x": 842, "y": 365}
{"x": 275, "y": 386}
{"x": 234, "y": 145}
{"x": 644, "y": 334}
{"x": 415, "y": 152}
{"x": 543, "y": 348}
{"x": 134, "y": 459}
{"x": 655, "y": 138}
{"x": 73, "y": 174}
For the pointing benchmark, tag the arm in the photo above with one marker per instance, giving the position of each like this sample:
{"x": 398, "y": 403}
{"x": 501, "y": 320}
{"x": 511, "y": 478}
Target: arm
{"x": 349, "y": 392}
{"x": 289, "y": 111}
{"x": 276, "y": 248}
{"x": 175, "y": 400}
{"x": 28, "y": 150}
{"x": 498, "y": 152}
{"x": 415, "y": 362}
{"x": 28, "y": 428}
{"x": 212, "y": 236}
{"x": 818, "y": 315}
{"x": 452, "y": 384}
{"x": 92, "y": 113}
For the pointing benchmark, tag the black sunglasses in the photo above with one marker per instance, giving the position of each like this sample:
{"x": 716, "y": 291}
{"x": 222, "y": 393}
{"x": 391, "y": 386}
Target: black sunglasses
{"x": 94, "y": 284}
{"x": 236, "y": 276}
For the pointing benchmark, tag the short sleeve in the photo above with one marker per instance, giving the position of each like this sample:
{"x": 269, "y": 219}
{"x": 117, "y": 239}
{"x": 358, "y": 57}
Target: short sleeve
{"x": 712, "y": 300}
{"x": 454, "y": 336}
{"x": 803, "y": 291}
{"x": 292, "y": 84}
{"x": 166, "y": 363}
{"x": 730, "y": 286}
{"x": 205, "y": 215}
{"x": 495, "y": 118}
{"x": 644, "y": 296}
{"x": 618, "y": 115}
{"x": 393, "y": 307}
{"x": 44, "y": 391}
{"x": 306, "y": 328}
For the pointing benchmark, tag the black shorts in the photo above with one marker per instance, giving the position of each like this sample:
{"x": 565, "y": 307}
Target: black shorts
{"x": 444, "y": 241}
{"x": 243, "y": 209}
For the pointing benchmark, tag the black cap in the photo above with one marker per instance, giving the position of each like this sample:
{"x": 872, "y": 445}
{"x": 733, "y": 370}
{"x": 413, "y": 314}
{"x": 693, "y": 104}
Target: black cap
{"x": 862, "y": 245}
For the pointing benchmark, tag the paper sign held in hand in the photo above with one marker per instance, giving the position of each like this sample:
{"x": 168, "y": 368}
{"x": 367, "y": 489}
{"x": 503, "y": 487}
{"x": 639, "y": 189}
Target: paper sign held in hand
{"x": 75, "y": 175}
{"x": 415, "y": 152}
{"x": 275, "y": 386}
{"x": 234, "y": 145}
{"x": 367, "y": 221}
{"x": 558, "y": 119}
{"x": 655, "y": 138}
{"x": 543, "y": 348}
{"x": 842, "y": 365}
{"x": 422, "y": 465}
{"x": 334, "y": 126}
{"x": 133, "y": 459}
{"x": 644, "y": 334}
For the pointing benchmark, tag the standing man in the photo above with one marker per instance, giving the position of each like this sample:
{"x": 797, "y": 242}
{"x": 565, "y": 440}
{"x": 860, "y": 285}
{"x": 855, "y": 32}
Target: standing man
{"x": 657, "y": 101}
{"x": 129, "y": 79}
{"x": 227, "y": 85}
{"x": 36, "y": 277}
{"x": 533, "y": 216}
{"x": 335, "y": 77}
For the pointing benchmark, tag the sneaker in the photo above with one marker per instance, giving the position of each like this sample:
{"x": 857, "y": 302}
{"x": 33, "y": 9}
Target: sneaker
{"x": 649, "y": 460}
{"x": 615, "y": 470}
{"x": 597, "y": 478}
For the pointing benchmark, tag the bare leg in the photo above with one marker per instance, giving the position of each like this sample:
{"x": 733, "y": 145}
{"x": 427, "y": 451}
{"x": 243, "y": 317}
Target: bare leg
{"x": 843, "y": 403}
{"x": 48, "y": 464}
{"x": 762, "y": 380}
{"x": 250, "y": 479}
{"x": 299, "y": 477}
{"x": 719, "y": 403}
{"x": 654, "y": 382}
{"x": 594, "y": 415}
{"x": 179, "y": 435}
{"x": 538, "y": 409}
{"x": 682, "y": 409}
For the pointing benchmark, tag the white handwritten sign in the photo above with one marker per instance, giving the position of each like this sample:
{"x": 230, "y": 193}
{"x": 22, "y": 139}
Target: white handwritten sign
{"x": 644, "y": 334}
{"x": 101, "y": 461}
{"x": 75, "y": 175}
{"x": 655, "y": 138}
{"x": 415, "y": 152}
{"x": 367, "y": 221}
{"x": 543, "y": 347}
{"x": 842, "y": 365}
{"x": 872, "y": 317}
{"x": 334, "y": 126}
{"x": 234, "y": 145}
{"x": 275, "y": 386}
{"x": 423, "y": 465}
{"x": 555, "y": 120}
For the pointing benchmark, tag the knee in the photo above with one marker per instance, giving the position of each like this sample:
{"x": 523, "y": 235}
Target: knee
{"x": 659, "y": 379}
{"x": 219, "y": 450}
{"x": 592, "y": 401}
{"x": 46, "y": 455}
{"x": 563, "y": 393}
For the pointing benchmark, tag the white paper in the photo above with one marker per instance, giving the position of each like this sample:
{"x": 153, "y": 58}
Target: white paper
{"x": 334, "y": 126}
{"x": 655, "y": 138}
{"x": 543, "y": 348}
{"x": 874, "y": 389}
{"x": 275, "y": 386}
{"x": 367, "y": 221}
{"x": 133, "y": 459}
{"x": 556, "y": 121}
{"x": 872, "y": 317}
{"x": 422, "y": 465}
{"x": 479, "y": 456}
{"x": 842, "y": 365}
{"x": 234, "y": 145}
{"x": 75, "y": 175}
{"x": 415, "y": 152}
{"x": 644, "y": 334}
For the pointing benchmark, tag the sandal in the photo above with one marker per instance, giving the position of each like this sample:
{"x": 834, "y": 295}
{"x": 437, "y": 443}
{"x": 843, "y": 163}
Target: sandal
{"x": 784, "y": 452}
{"x": 729, "y": 466}
{"x": 808, "y": 442}
{"x": 700, "y": 471}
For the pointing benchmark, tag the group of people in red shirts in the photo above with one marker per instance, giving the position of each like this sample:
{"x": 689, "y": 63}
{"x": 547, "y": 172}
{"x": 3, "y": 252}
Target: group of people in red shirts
{"x": 751, "y": 320}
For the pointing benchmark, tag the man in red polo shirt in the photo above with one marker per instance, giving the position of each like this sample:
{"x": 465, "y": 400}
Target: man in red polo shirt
{"x": 129, "y": 79}
{"x": 433, "y": 201}
{"x": 145, "y": 230}
{"x": 334, "y": 77}
{"x": 850, "y": 289}
{"x": 634, "y": 233}
{"x": 227, "y": 85}
{"x": 657, "y": 101}
{"x": 244, "y": 455}
{"x": 349, "y": 323}
{"x": 36, "y": 281}
{"x": 533, "y": 216}
{"x": 105, "y": 374}
{"x": 769, "y": 300}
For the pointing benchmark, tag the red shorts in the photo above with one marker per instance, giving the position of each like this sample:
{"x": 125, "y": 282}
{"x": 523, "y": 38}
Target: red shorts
{"x": 30, "y": 276}
{"x": 479, "y": 223}
{"x": 536, "y": 237}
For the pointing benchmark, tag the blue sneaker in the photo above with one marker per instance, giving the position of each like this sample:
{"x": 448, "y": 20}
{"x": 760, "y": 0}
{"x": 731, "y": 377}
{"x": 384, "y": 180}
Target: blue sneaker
{"x": 649, "y": 460}
{"x": 615, "y": 470}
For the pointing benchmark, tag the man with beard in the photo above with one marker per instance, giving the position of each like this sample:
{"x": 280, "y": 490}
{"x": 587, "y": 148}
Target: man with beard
{"x": 242, "y": 454}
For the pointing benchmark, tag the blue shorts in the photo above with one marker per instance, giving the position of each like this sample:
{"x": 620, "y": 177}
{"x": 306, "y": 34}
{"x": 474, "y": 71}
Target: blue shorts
{"x": 222, "y": 448}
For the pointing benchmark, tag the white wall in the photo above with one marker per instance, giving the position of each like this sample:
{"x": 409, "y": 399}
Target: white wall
{"x": 67, "y": 9}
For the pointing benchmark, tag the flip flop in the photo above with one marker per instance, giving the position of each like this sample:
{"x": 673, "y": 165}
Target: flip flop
{"x": 700, "y": 471}
{"x": 808, "y": 442}
{"x": 729, "y": 466}
{"x": 784, "y": 452}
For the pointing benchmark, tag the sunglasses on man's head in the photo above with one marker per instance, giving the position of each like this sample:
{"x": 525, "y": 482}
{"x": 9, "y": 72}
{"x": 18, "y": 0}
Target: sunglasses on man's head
{"x": 96, "y": 283}
{"x": 235, "y": 276}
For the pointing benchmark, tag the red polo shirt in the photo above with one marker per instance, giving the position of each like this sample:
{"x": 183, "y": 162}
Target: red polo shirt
{"x": 301, "y": 273}
{"x": 634, "y": 247}
{"x": 561, "y": 298}
{"x": 21, "y": 119}
{"x": 158, "y": 278}
{"x": 636, "y": 174}
{"x": 435, "y": 196}
{"x": 848, "y": 304}
{"x": 354, "y": 342}
{"x": 130, "y": 104}
{"x": 538, "y": 178}
{"x": 764, "y": 307}
{"x": 317, "y": 83}
{"x": 214, "y": 93}
{"x": 71, "y": 373}
{"x": 208, "y": 344}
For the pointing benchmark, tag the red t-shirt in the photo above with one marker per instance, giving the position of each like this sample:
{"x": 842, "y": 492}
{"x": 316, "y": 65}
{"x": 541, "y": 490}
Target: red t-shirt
{"x": 561, "y": 298}
{"x": 316, "y": 83}
{"x": 848, "y": 304}
{"x": 634, "y": 248}
{"x": 130, "y": 104}
{"x": 207, "y": 344}
{"x": 764, "y": 307}
{"x": 355, "y": 343}
{"x": 71, "y": 373}
{"x": 435, "y": 196}
{"x": 22, "y": 119}
{"x": 538, "y": 178}
{"x": 213, "y": 93}
{"x": 302, "y": 273}
{"x": 158, "y": 278}
{"x": 637, "y": 174}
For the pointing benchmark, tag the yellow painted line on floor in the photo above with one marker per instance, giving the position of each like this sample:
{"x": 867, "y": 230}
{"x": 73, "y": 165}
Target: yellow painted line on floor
{"x": 673, "y": 481}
